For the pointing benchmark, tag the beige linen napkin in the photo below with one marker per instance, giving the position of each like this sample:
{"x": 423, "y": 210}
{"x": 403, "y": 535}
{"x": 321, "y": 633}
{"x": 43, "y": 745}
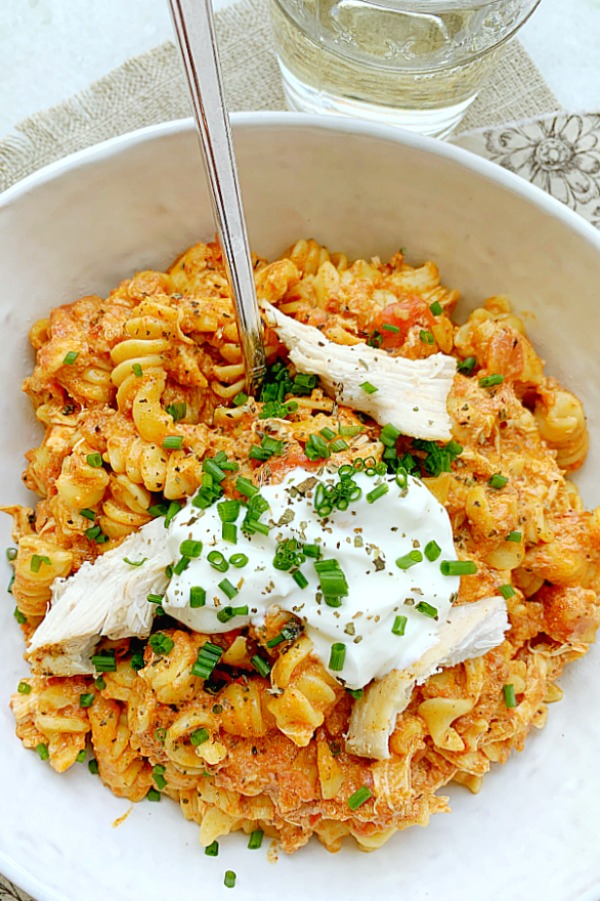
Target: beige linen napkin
{"x": 558, "y": 152}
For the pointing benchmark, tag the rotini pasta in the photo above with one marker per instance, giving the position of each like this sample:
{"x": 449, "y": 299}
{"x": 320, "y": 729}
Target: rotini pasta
{"x": 265, "y": 738}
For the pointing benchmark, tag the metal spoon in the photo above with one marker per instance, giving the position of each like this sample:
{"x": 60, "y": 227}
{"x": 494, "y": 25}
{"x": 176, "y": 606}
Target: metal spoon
{"x": 195, "y": 30}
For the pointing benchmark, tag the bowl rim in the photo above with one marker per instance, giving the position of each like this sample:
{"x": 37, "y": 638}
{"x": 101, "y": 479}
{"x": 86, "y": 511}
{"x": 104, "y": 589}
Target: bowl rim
{"x": 245, "y": 121}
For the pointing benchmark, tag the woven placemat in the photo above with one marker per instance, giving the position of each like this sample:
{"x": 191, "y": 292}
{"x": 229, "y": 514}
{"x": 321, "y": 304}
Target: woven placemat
{"x": 559, "y": 152}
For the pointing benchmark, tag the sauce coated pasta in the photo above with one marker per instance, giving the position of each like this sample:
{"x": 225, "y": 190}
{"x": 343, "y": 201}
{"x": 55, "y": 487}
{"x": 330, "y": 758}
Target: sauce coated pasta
{"x": 247, "y": 729}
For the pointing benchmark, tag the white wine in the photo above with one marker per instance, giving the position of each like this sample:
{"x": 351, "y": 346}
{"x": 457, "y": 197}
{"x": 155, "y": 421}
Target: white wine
{"x": 416, "y": 64}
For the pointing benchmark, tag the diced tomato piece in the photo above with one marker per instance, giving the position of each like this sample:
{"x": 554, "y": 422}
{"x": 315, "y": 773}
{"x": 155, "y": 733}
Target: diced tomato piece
{"x": 403, "y": 316}
{"x": 294, "y": 457}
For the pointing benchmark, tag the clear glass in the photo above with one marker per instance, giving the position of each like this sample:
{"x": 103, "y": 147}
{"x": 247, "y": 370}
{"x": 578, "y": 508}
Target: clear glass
{"x": 415, "y": 64}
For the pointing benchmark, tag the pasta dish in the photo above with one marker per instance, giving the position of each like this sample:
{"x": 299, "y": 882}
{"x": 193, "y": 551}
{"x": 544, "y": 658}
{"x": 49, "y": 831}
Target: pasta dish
{"x": 239, "y": 709}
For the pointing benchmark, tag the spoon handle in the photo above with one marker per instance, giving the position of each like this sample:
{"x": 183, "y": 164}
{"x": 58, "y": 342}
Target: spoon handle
{"x": 195, "y": 30}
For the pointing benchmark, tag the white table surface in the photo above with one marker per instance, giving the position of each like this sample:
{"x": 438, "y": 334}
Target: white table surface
{"x": 50, "y": 49}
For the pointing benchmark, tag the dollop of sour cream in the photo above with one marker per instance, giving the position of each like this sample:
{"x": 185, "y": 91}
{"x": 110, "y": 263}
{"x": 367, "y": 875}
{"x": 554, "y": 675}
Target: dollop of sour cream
{"x": 391, "y": 612}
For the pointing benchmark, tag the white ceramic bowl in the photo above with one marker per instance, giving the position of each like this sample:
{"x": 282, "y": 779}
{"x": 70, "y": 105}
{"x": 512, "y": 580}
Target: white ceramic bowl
{"x": 135, "y": 202}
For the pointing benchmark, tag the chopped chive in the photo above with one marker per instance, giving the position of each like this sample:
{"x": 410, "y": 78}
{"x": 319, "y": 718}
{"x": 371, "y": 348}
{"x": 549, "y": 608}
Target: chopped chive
{"x": 355, "y": 693}
{"x": 161, "y": 644}
{"x": 228, "y": 588}
{"x": 251, "y": 526}
{"x": 316, "y": 448}
{"x": 190, "y": 548}
{"x": 100, "y": 683}
{"x": 240, "y": 399}
{"x": 409, "y": 559}
{"x": 276, "y": 410}
{"x": 514, "y": 536}
{"x": 337, "y": 656}
{"x": 458, "y": 567}
{"x": 311, "y": 550}
{"x": 153, "y": 795}
{"x": 228, "y": 510}
{"x": 24, "y": 688}
{"x": 158, "y": 775}
{"x": 359, "y": 797}
{"x": 81, "y": 756}
{"x": 86, "y": 699}
{"x": 427, "y": 609}
{"x": 37, "y": 560}
{"x": 88, "y": 514}
{"x": 262, "y": 666}
{"x": 211, "y": 467}
{"x": 177, "y": 411}
{"x": 137, "y": 659}
{"x": 489, "y": 381}
{"x": 212, "y": 850}
{"x": 42, "y": 751}
{"x": 104, "y": 663}
{"x": 160, "y": 735}
{"x": 155, "y": 598}
{"x": 172, "y": 511}
{"x": 20, "y": 617}
{"x": 229, "y": 880}
{"x": 388, "y": 327}
{"x": 94, "y": 460}
{"x": 225, "y": 614}
{"x": 93, "y": 766}
{"x": 158, "y": 510}
{"x": 245, "y": 487}
{"x": 173, "y": 442}
{"x": 229, "y": 612}
{"x": 436, "y": 308}
{"x": 181, "y": 565}
{"x": 70, "y": 357}
{"x": 389, "y": 435}
{"x": 368, "y": 388}
{"x": 137, "y": 371}
{"x": 399, "y": 625}
{"x": 467, "y": 365}
{"x": 208, "y": 657}
{"x": 197, "y": 596}
{"x": 304, "y": 383}
{"x": 331, "y": 580}
{"x": 229, "y": 532}
{"x": 350, "y": 431}
{"x": 426, "y": 336}
{"x": 135, "y": 562}
{"x": 328, "y": 434}
{"x": 377, "y": 492}
{"x": 238, "y": 560}
{"x": 288, "y": 632}
{"x": 199, "y": 736}
{"x": 432, "y": 551}
{"x": 217, "y": 561}
{"x": 497, "y": 481}
{"x": 507, "y": 591}
{"x": 255, "y": 840}
{"x": 95, "y": 533}
{"x": 300, "y": 579}
{"x": 338, "y": 445}
{"x": 509, "y": 695}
